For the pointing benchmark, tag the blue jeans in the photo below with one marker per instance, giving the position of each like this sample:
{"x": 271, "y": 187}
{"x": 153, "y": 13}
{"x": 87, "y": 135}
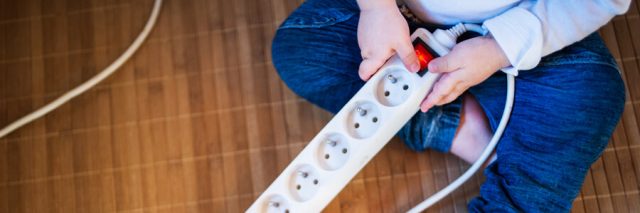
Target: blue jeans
{"x": 564, "y": 113}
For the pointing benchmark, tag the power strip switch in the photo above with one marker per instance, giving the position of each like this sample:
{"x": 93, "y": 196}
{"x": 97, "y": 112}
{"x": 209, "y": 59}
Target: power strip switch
{"x": 354, "y": 135}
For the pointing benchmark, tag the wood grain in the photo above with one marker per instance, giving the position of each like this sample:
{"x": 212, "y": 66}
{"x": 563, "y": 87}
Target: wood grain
{"x": 199, "y": 121}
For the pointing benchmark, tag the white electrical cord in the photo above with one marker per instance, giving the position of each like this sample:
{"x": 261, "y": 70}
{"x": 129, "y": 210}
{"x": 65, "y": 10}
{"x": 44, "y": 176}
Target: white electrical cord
{"x": 94, "y": 80}
{"x": 456, "y": 31}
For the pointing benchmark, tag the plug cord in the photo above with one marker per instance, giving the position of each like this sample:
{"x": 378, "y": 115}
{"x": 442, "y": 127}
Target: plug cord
{"x": 112, "y": 68}
{"x": 447, "y": 36}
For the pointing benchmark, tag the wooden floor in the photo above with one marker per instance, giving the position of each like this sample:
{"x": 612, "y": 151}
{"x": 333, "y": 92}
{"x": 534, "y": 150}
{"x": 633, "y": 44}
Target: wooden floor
{"x": 198, "y": 120}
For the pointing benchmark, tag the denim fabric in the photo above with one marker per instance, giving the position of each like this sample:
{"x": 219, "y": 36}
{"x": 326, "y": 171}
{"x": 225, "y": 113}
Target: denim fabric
{"x": 564, "y": 112}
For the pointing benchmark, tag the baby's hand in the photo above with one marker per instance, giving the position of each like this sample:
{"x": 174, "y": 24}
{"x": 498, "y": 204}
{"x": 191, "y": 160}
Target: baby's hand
{"x": 382, "y": 31}
{"x": 468, "y": 64}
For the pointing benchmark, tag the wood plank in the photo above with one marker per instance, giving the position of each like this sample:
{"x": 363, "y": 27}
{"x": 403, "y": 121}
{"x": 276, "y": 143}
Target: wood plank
{"x": 625, "y": 157}
{"x": 614, "y": 181}
{"x": 601, "y": 187}
{"x": 629, "y": 61}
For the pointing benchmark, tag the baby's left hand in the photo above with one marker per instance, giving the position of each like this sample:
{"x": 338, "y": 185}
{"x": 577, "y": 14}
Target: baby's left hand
{"x": 469, "y": 63}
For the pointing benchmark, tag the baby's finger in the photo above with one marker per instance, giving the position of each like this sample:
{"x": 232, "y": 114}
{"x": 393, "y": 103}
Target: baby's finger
{"x": 441, "y": 89}
{"x": 459, "y": 87}
{"x": 430, "y": 102}
{"x": 449, "y": 98}
{"x": 369, "y": 66}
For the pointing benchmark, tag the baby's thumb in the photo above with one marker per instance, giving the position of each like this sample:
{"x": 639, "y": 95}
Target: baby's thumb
{"x": 370, "y": 66}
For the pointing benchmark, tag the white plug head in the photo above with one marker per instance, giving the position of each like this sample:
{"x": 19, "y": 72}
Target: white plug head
{"x": 449, "y": 37}
{"x": 445, "y": 38}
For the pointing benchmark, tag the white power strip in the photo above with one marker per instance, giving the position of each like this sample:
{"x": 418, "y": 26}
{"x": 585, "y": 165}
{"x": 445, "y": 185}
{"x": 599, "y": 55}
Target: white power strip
{"x": 354, "y": 135}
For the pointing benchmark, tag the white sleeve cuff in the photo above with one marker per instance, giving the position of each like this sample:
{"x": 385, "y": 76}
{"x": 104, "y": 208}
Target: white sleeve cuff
{"x": 519, "y": 34}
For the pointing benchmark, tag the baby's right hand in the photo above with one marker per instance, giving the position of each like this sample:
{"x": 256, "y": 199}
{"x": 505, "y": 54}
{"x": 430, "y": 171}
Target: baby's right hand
{"x": 382, "y": 31}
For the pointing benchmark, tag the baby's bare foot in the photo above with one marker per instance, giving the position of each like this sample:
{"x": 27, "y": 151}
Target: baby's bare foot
{"x": 473, "y": 133}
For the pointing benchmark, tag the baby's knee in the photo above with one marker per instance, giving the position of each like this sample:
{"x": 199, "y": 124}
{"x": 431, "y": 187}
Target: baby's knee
{"x": 325, "y": 75}
{"x": 288, "y": 63}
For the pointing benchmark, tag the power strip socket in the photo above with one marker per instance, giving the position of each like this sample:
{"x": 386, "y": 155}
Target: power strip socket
{"x": 354, "y": 135}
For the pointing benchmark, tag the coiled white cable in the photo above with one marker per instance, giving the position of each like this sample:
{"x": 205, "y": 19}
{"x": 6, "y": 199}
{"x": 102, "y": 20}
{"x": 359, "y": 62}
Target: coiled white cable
{"x": 487, "y": 150}
{"x": 94, "y": 80}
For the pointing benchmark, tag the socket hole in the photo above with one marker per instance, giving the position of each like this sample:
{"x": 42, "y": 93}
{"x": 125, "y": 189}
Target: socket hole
{"x": 386, "y": 93}
{"x": 298, "y": 187}
{"x": 344, "y": 151}
{"x": 326, "y": 156}
{"x": 405, "y": 87}
{"x": 315, "y": 182}
{"x": 356, "y": 125}
{"x": 375, "y": 119}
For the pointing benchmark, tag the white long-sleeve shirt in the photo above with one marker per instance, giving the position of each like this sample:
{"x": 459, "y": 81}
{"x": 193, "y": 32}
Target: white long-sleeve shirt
{"x": 526, "y": 30}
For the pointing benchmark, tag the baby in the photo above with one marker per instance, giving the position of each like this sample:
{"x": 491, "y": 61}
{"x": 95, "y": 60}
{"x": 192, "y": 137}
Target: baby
{"x": 569, "y": 94}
